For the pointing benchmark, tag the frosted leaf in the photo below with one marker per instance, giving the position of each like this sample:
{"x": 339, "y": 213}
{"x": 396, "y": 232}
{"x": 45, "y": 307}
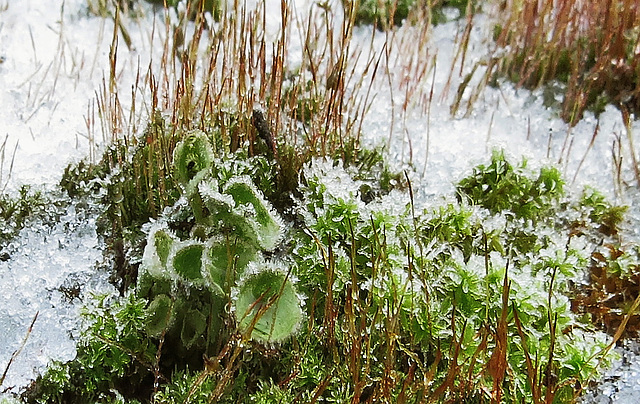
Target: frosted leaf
{"x": 283, "y": 316}
{"x": 186, "y": 259}
{"x": 226, "y": 259}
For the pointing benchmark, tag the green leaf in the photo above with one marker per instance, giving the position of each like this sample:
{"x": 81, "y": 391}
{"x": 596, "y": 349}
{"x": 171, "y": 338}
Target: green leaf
{"x": 258, "y": 213}
{"x": 191, "y": 158}
{"x": 193, "y": 326}
{"x": 224, "y": 255}
{"x": 187, "y": 261}
{"x": 159, "y": 315}
{"x": 281, "y": 318}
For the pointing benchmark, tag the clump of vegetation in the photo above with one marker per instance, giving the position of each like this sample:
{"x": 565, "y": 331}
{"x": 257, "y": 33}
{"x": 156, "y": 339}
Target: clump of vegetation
{"x": 113, "y": 355}
{"x": 16, "y": 211}
{"x": 275, "y": 259}
{"x": 608, "y": 217}
{"x": 592, "y": 51}
{"x": 610, "y": 295}
{"x": 500, "y": 186}
{"x": 211, "y": 260}
{"x": 388, "y": 13}
{"x": 439, "y": 293}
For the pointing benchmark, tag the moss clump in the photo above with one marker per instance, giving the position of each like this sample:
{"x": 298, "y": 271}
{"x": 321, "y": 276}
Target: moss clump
{"x": 16, "y": 211}
{"x": 608, "y": 217}
{"x": 113, "y": 354}
{"x": 500, "y": 186}
{"x": 388, "y": 13}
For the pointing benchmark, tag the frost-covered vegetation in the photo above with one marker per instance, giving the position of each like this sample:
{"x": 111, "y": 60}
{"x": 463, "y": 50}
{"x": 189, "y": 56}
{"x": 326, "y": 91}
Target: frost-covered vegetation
{"x": 262, "y": 254}
{"x": 362, "y": 297}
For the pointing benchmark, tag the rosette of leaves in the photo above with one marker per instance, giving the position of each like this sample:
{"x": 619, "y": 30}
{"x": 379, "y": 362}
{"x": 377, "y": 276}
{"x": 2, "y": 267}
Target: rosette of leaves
{"x": 267, "y": 306}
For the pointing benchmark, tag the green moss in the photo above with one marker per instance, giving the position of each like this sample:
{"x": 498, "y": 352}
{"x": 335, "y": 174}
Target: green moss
{"x": 601, "y": 212}
{"x": 500, "y": 186}
{"x": 388, "y": 13}
{"x": 113, "y": 352}
{"x": 16, "y": 211}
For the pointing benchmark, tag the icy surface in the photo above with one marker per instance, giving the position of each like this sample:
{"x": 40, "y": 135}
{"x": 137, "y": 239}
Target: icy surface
{"x": 55, "y": 70}
{"x": 620, "y": 384}
{"x": 46, "y": 270}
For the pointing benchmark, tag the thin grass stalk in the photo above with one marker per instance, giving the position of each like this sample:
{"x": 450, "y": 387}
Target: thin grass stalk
{"x": 586, "y": 152}
{"x": 5, "y": 182}
{"x": 449, "y": 383}
{"x": 626, "y": 118}
{"x": 17, "y": 352}
{"x": 497, "y": 365}
{"x": 532, "y": 369}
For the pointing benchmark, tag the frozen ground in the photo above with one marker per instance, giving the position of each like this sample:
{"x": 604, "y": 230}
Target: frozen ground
{"x": 55, "y": 63}
{"x": 46, "y": 271}
{"x": 620, "y": 384}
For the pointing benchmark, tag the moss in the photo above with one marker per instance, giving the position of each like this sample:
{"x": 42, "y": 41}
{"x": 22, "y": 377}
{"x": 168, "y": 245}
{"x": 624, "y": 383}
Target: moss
{"x": 112, "y": 353}
{"x": 27, "y": 206}
{"x": 605, "y": 216}
{"x": 195, "y": 7}
{"x": 500, "y": 186}
{"x": 409, "y": 293}
{"x": 388, "y": 13}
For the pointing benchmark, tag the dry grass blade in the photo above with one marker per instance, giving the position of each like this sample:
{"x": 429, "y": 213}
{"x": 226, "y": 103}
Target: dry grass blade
{"x": 497, "y": 365}
{"x": 532, "y": 368}
{"x": 5, "y": 182}
{"x": 19, "y": 350}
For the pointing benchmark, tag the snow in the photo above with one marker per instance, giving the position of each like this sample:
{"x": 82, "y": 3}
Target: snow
{"x": 55, "y": 75}
{"x": 48, "y": 264}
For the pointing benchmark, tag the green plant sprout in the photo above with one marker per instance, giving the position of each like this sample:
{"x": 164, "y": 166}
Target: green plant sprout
{"x": 234, "y": 223}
